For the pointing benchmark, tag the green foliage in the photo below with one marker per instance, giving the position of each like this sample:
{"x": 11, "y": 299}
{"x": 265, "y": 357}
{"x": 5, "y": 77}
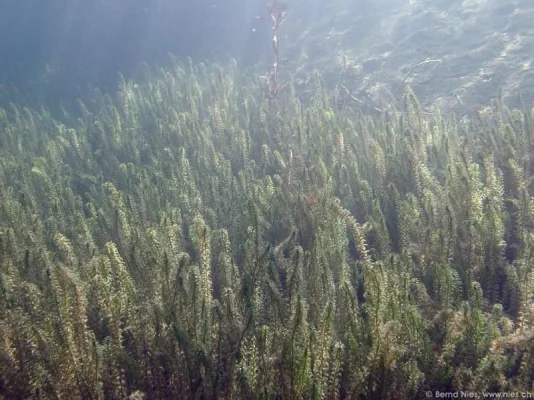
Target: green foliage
{"x": 187, "y": 238}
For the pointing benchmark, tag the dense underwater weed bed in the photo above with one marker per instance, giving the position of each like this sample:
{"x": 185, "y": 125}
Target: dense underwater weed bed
{"x": 190, "y": 238}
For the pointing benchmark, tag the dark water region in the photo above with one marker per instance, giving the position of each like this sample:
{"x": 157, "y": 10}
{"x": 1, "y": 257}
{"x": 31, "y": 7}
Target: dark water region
{"x": 55, "y": 49}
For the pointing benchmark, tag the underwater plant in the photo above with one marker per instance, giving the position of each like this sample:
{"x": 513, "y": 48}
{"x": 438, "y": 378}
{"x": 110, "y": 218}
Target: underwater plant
{"x": 183, "y": 239}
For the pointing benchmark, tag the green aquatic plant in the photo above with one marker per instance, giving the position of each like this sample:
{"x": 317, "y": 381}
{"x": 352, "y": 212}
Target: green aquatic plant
{"x": 184, "y": 238}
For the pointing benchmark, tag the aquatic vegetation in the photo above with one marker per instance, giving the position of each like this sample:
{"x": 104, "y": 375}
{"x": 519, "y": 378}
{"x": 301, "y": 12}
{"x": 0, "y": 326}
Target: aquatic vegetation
{"x": 188, "y": 238}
